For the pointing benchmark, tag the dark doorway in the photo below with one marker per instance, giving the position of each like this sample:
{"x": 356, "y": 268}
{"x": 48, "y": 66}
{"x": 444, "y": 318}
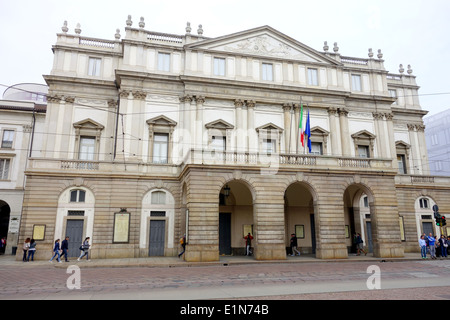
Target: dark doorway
{"x": 74, "y": 230}
{"x": 224, "y": 233}
{"x": 157, "y": 238}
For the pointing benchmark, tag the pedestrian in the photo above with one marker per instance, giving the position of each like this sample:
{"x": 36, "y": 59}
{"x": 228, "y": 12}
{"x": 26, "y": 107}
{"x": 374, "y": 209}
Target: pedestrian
{"x": 56, "y": 250}
{"x": 444, "y": 244}
{"x": 426, "y": 240}
{"x": 183, "y": 245}
{"x": 431, "y": 244}
{"x": 294, "y": 245}
{"x": 3, "y": 245}
{"x": 26, "y": 246}
{"x": 423, "y": 247}
{"x": 248, "y": 244}
{"x": 360, "y": 245}
{"x": 65, "y": 248}
{"x": 85, "y": 249}
{"x": 31, "y": 250}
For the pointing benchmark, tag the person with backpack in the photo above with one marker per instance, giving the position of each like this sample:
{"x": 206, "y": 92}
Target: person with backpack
{"x": 248, "y": 243}
{"x": 31, "y": 250}
{"x": 85, "y": 249}
{"x": 183, "y": 245}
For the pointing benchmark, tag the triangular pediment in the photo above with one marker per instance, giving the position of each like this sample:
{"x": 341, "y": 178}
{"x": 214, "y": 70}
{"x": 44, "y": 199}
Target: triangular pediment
{"x": 402, "y": 144}
{"x": 363, "y": 134}
{"x": 162, "y": 121}
{"x": 319, "y": 131}
{"x": 88, "y": 124}
{"x": 264, "y": 42}
{"x": 269, "y": 127}
{"x": 219, "y": 124}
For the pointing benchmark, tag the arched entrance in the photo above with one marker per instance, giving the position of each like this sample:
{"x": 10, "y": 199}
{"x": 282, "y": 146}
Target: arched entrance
{"x": 357, "y": 217}
{"x": 299, "y": 218}
{"x": 235, "y": 217}
{"x": 5, "y": 212}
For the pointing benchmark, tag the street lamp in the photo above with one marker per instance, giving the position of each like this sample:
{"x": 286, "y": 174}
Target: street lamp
{"x": 226, "y": 191}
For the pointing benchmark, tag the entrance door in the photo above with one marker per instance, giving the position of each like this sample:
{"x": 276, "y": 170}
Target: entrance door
{"x": 427, "y": 228}
{"x": 225, "y": 233}
{"x": 313, "y": 233}
{"x": 369, "y": 236}
{"x": 157, "y": 238}
{"x": 74, "y": 230}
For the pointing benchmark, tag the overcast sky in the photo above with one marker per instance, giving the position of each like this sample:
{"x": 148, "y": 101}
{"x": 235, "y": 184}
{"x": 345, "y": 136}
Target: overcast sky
{"x": 408, "y": 32}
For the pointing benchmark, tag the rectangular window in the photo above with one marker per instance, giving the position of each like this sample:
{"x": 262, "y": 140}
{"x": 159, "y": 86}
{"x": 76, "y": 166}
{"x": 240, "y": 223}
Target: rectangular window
{"x": 267, "y": 71}
{"x": 356, "y": 82}
{"x": 316, "y": 148}
{"x": 94, "y": 66}
{"x": 401, "y": 163}
{"x": 163, "y": 61}
{"x": 423, "y": 203}
{"x": 393, "y": 94}
{"x": 4, "y": 169}
{"x": 7, "y": 140}
{"x": 312, "y": 77}
{"x": 268, "y": 146}
{"x": 363, "y": 151}
{"x": 160, "y": 148}
{"x": 219, "y": 66}
{"x": 158, "y": 197}
{"x": 434, "y": 140}
{"x": 218, "y": 143}
{"x": 87, "y": 148}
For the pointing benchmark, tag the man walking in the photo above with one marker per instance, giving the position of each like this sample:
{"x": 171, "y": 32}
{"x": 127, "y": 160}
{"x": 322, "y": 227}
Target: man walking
{"x": 294, "y": 245}
{"x": 65, "y": 248}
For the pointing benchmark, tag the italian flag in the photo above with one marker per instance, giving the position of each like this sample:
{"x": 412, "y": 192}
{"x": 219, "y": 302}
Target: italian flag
{"x": 300, "y": 125}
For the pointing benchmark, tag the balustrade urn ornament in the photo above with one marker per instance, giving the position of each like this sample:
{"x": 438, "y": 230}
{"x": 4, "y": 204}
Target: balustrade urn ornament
{"x": 325, "y": 46}
{"x": 188, "y": 28}
{"x": 129, "y": 22}
{"x": 141, "y": 23}
{"x": 336, "y": 48}
{"x": 401, "y": 69}
{"x": 200, "y": 30}
{"x": 117, "y": 35}
{"x": 78, "y": 29}
{"x": 64, "y": 27}
{"x": 410, "y": 71}
{"x": 379, "y": 55}
{"x": 370, "y": 53}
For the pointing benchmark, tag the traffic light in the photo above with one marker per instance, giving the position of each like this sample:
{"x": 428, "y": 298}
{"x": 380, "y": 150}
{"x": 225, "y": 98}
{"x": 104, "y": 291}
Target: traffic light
{"x": 438, "y": 222}
{"x": 443, "y": 221}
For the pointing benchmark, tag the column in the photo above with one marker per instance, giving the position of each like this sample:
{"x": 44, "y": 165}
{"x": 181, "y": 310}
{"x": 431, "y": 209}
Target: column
{"x": 199, "y": 122}
{"x": 239, "y": 125}
{"x": 125, "y": 99}
{"x": 345, "y": 135}
{"x": 135, "y": 126}
{"x": 391, "y": 139}
{"x": 295, "y": 112}
{"x": 185, "y": 135}
{"x": 334, "y": 132}
{"x": 251, "y": 133}
{"x": 287, "y": 126}
{"x": 415, "y": 152}
{"x": 423, "y": 149}
{"x": 378, "y": 117}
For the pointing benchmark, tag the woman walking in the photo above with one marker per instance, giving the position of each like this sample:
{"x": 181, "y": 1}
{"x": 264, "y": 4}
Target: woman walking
{"x": 85, "y": 249}
{"x": 56, "y": 250}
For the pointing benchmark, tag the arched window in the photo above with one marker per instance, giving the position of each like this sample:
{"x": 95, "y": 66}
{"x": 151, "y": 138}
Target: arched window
{"x": 77, "y": 196}
{"x": 424, "y": 203}
{"x": 158, "y": 197}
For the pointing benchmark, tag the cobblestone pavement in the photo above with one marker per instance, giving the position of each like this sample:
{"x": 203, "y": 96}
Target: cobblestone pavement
{"x": 43, "y": 281}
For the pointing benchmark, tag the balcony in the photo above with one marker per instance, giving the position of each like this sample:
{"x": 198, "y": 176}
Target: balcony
{"x": 271, "y": 162}
{"x": 287, "y": 161}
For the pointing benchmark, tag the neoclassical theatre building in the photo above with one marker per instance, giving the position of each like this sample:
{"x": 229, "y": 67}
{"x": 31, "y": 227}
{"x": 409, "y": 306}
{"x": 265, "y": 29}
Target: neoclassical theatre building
{"x": 151, "y": 136}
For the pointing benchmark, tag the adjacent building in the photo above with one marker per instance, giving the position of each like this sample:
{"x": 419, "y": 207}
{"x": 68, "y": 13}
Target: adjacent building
{"x": 22, "y": 117}
{"x": 155, "y": 135}
{"x": 437, "y": 135}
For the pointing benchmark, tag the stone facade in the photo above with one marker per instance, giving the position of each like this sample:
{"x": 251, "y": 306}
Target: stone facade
{"x": 200, "y": 136}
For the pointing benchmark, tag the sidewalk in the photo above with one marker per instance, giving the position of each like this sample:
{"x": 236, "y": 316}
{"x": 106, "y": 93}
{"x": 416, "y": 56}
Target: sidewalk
{"x": 171, "y": 262}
